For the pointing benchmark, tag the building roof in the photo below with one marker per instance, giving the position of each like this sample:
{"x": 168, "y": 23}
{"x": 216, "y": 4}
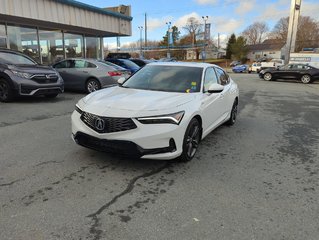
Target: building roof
{"x": 267, "y": 45}
{"x": 93, "y": 9}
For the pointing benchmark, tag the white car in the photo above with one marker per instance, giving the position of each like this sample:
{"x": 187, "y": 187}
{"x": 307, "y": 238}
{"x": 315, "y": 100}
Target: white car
{"x": 161, "y": 112}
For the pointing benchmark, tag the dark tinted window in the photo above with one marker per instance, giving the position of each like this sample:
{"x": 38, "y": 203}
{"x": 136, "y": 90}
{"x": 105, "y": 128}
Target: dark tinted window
{"x": 129, "y": 63}
{"x": 222, "y": 77}
{"x": 167, "y": 78}
{"x": 62, "y": 64}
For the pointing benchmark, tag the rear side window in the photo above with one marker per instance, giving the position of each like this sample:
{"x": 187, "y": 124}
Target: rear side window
{"x": 62, "y": 64}
{"x": 222, "y": 77}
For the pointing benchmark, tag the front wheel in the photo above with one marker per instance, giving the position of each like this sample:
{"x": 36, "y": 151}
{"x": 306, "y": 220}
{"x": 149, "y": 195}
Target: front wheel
{"x": 191, "y": 140}
{"x": 92, "y": 85}
{"x": 6, "y": 93}
{"x": 306, "y": 79}
{"x": 267, "y": 76}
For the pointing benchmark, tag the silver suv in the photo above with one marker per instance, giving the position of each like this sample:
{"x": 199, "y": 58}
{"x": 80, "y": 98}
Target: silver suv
{"x": 22, "y": 76}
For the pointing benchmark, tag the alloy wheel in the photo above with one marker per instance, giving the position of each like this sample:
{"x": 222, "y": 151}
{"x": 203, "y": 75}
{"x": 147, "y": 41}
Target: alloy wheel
{"x": 4, "y": 90}
{"x": 306, "y": 79}
{"x": 192, "y": 140}
{"x": 92, "y": 86}
{"x": 267, "y": 76}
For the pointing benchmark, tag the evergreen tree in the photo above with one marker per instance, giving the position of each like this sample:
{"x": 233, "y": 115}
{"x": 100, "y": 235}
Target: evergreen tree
{"x": 231, "y": 40}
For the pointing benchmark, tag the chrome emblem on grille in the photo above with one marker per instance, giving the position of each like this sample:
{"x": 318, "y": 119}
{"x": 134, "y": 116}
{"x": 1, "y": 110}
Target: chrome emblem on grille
{"x": 99, "y": 124}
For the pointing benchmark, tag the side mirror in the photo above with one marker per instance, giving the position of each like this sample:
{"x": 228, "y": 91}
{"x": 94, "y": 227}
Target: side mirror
{"x": 215, "y": 88}
{"x": 121, "y": 80}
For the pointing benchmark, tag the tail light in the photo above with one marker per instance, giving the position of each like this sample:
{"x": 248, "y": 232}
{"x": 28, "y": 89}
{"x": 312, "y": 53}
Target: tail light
{"x": 112, "y": 74}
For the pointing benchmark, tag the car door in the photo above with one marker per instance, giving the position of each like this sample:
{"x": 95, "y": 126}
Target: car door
{"x": 63, "y": 69}
{"x": 77, "y": 74}
{"x": 211, "y": 103}
{"x": 286, "y": 72}
{"x": 226, "y": 95}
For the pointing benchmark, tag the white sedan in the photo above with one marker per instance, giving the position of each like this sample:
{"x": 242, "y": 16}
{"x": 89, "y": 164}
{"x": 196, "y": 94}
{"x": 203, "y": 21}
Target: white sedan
{"x": 161, "y": 112}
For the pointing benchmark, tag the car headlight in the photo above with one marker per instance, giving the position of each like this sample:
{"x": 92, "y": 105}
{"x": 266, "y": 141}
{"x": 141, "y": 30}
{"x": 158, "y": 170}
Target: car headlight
{"x": 174, "y": 118}
{"x": 78, "y": 109}
{"x": 22, "y": 74}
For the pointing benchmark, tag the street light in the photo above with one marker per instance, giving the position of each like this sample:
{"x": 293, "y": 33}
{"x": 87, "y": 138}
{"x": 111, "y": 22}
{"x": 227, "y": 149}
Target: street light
{"x": 205, "y": 18}
{"x": 141, "y": 30}
{"x": 168, "y": 31}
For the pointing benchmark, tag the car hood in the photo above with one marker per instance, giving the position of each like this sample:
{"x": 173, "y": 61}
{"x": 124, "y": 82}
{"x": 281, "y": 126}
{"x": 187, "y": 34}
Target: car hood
{"x": 116, "y": 100}
{"x": 35, "y": 69}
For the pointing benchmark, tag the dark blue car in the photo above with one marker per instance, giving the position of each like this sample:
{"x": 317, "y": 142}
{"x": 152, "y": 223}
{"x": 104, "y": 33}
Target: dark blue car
{"x": 125, "y": 63}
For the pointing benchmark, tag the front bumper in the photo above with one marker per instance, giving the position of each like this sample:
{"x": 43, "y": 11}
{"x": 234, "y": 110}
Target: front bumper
{"x": 150, "y": 141}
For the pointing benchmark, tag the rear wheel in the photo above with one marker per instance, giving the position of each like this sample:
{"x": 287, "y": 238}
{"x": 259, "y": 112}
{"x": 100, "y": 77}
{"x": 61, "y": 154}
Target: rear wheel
{"x": 92, "y": 85}
{"x": 306, "y": 79}
{"x": 267, "y": 76}
{"x": 6, "y": 93}
{"x": 233, "y": 114}
{"x": 191, "y": 140}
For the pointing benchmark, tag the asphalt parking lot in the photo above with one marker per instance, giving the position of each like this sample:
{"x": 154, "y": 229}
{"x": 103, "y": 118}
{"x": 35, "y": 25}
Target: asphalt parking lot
{"x": 258, "y": 179}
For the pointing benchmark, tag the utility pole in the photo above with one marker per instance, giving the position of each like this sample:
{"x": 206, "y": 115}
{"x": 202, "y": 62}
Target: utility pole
{"x": 141, "y": 39}
{"x": 168, "y": 33}
{"x": 145, "y": 26}
{"x": 292, "y": 28}
{"x": 205, "y": 18}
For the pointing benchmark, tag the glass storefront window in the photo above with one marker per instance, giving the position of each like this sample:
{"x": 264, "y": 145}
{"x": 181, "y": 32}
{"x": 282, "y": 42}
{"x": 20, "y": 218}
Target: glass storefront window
{"x": 73, "y": 45}
{"x": 51, "y": 45}
{"x": 3, "y": 36}
{"x": 24, "y": 40}
{"x": 92, "y": 47}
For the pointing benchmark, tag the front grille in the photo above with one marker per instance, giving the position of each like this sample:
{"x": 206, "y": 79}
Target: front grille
{"x": 107, "y": 124}
{"x": 45, "y": 78}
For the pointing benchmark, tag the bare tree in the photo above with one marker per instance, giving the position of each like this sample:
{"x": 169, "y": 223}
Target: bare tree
{"x": 256, "y": 32}
{"x": 307, "y": 33}
{"x": 194, "y": 29}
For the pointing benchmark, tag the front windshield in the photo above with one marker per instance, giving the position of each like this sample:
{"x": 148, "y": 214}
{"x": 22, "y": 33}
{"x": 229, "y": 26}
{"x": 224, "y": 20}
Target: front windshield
{"x": 167, "y": 78}
{"x": 15, "y": 59}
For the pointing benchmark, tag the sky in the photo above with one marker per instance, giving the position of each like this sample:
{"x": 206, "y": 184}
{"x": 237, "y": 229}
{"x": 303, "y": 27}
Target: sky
{"x": 226, "y": 16}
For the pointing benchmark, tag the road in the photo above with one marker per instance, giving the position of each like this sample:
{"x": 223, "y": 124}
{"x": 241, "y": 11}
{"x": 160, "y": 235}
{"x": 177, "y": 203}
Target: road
{"x": 258, "y": 179}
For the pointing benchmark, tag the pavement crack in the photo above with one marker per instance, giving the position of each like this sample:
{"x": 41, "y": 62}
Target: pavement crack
{"x": 47, "y": 162}
{"x": 10, "y": 183}
{"x": 96, "y": 220}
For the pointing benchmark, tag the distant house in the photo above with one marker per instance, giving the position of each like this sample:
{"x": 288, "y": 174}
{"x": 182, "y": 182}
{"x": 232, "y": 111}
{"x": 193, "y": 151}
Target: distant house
{"x": 270, "y": 48}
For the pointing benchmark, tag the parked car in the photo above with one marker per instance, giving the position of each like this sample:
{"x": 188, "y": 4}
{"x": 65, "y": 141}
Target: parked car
{"x": 240, "y": 68}
{"x": 302, "y": 72}
{"x": 125, "y": 63}
{"x": 125, "y": 73}
{"x": 140, "y": 62}
{"x": 234, "y": 63}
{"x": 163, "y": 111}
{"x": 255, "y": 67}
{"x": 168, "y": 59}
{"x": 87, "y": 75}
{"x": 22, "y": 76}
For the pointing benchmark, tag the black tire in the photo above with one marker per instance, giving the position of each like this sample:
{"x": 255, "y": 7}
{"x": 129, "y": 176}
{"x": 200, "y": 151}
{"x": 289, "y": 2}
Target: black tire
{"x": 191, "y": 140}
{"x": 53, "y": 95}
{"x": 233, "y": 114}
{"x": 267, "y": 76}
{"x": 6, "y": 93}
{"x": 306, "y": 79}
{"x": 92, "y": 85}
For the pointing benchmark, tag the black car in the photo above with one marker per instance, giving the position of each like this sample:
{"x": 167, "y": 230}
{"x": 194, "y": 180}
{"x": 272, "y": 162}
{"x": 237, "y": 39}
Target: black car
{"x": 294, "y": 71}
{"x": 22, "y": 76}
{"x": 140, "y": 62}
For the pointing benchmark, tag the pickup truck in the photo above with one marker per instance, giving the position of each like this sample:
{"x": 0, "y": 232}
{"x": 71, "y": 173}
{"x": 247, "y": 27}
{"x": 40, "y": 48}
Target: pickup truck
{"x": 274, "y": 63}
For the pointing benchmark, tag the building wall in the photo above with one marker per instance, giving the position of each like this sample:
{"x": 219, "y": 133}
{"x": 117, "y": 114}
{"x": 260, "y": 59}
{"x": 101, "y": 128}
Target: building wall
{"x": 54, "y": 13}
{"x": 254, "y": 55}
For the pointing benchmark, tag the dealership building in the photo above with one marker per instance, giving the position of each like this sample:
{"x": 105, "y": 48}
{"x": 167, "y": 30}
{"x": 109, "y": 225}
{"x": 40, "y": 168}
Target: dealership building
{"x": 50, "y": 30}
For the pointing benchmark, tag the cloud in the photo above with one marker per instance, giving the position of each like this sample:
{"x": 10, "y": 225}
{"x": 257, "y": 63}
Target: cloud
{"x": 223, "y": 39}
{"x": 310, "y": 8}
{"x": 181, "y": 22}
{"x": 273, "y": 12}
{"x": 226, "y": 25}
{"x": 206, "y": 2}
{"x": 245, "y": 7}
{"x": 155, "y": 23}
